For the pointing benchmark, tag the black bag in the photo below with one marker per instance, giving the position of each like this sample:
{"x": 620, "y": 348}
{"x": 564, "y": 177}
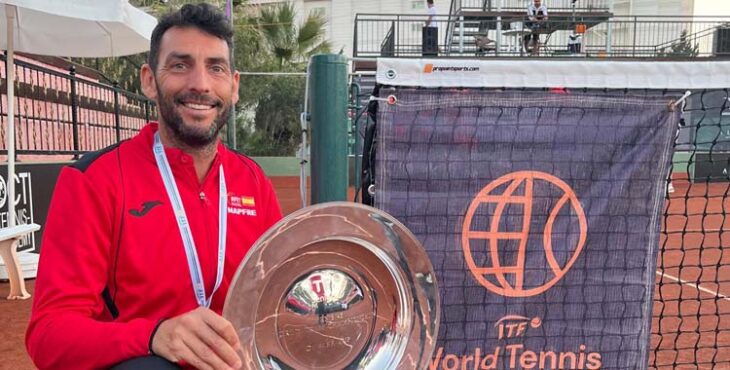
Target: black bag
{"x": 367, "y": 176}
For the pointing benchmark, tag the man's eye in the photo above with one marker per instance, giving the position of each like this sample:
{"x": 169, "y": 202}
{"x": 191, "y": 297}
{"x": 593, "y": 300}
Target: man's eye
{"x": 217, "y": 69}
{"x": 179, "y": 66}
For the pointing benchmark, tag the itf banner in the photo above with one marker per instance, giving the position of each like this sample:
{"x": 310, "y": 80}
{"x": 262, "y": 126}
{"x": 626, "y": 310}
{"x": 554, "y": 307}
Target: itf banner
{"x": 540, "y": 211}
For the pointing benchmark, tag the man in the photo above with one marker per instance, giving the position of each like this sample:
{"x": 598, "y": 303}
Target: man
{"x": 430, "y": 32}
{"x": 115, "y": 282}
{"x": 431, "y": 14}
{"x": 537, "y": 15}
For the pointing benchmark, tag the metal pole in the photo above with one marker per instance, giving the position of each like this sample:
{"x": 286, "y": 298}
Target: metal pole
{"x": 355, "y": 90}
{"x": 74, "y": 112}
{"x": 461, "y": 34}
{"x": 329, "y": 128}
{"x": 231, "y": 132}
{"x": 609, "y": 32}
{"x": 117, "y": 123}
{"x": 304, "y": 121}
{"x": 396, "y": 40}
{"x": 232, "y": 126}
{"x": 146, "y": 111}
{"x": 499, "y": 27}
{"x": 10, "y": 15}
{"x": 634, "y": 48}
{"x": 354, "y": 33}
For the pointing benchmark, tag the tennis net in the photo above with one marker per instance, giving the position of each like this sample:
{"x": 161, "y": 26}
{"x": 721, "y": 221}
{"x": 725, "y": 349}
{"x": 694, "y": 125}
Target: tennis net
{"x": 575, "y": 212}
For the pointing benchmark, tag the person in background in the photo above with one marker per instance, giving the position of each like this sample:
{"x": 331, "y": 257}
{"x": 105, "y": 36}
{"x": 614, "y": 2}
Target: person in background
{"x": 574, "y": 43}
{"x": 537, "y": 15}
{"x": 430, "y": 32}
{"x": 431, "y": 14}
{"x": 143, "y": 238}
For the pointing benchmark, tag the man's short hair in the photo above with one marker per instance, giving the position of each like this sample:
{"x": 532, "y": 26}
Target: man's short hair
{"x": 429, "y": 2}
{"x": 204, "y": 17}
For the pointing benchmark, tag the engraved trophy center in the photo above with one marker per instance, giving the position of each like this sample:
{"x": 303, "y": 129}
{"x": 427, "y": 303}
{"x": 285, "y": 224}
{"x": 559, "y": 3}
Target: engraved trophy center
{"x": 327, "y": 310}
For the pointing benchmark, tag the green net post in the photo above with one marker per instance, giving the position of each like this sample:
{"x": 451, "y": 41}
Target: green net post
{"x": 329, "y": 127}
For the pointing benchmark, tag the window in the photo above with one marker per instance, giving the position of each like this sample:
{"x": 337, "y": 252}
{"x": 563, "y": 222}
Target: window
{"x": 418, "y": 4}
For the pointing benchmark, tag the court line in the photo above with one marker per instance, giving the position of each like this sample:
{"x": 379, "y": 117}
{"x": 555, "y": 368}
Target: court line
{"x": 694, "y": 285}
{"x": 718, "y": 230}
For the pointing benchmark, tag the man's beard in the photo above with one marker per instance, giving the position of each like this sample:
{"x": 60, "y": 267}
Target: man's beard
{"x": 188, "y": 133}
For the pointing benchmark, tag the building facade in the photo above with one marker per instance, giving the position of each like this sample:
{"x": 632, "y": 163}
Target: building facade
{"x": 669, "y": 7}
{"x": 340, "y": 14}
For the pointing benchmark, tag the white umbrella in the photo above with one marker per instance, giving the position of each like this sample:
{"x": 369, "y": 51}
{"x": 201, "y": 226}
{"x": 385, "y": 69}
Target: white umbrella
{"x": 70, "y": 28}
{"x": 76, "y": 28}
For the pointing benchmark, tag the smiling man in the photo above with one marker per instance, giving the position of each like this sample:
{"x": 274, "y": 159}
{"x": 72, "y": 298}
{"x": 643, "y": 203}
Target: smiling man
{"x": 143, "y": 238}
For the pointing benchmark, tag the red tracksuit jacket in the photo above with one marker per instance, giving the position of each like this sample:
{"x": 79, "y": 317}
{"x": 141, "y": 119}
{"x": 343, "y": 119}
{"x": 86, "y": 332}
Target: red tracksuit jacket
{"x": 112, "y": 260}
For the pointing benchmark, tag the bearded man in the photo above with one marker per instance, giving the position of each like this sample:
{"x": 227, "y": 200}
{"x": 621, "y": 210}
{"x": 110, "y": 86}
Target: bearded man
{"x": 143, "y": 238}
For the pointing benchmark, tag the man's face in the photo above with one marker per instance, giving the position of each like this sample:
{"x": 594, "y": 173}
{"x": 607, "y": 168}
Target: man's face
{"x": 194, "y": 86}
{"x": 537, "y": 3}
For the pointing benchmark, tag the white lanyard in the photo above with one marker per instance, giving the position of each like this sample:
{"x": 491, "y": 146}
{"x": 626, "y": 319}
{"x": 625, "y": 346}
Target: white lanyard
{"x": 182, "y": 222}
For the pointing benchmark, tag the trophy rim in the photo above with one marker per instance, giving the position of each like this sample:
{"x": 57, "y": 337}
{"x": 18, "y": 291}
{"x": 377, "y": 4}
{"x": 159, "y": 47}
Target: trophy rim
{"x": 418, "y": 303}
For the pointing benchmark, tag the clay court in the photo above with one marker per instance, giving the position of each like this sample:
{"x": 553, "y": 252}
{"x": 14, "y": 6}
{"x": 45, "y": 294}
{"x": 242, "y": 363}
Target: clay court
{"x": 691, "y": 318}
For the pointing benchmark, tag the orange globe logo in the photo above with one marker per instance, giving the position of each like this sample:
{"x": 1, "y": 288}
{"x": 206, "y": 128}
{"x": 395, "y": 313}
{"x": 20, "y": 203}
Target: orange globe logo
{"x": 522, "y": 233}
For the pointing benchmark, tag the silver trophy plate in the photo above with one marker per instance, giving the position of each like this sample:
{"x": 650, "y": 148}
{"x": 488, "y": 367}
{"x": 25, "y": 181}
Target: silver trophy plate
{"x": 335, "y": 286}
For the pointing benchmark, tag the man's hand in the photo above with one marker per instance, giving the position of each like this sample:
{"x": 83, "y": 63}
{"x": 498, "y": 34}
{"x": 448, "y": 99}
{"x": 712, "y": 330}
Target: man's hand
{"x": 200, "y": 338}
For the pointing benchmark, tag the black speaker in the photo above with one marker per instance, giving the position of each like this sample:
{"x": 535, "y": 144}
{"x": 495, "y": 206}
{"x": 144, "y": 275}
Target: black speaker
{"x": 722, "y": 42}
{"x": 430, "y": 37}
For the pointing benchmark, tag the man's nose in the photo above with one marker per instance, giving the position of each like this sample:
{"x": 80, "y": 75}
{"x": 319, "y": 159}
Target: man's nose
{"x": 198, "y": 79}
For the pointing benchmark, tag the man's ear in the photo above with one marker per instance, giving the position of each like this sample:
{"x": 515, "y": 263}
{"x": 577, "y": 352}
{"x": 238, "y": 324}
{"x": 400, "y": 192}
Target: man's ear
{"x": 236, "y": 79}
{"x": 147, "y": 79}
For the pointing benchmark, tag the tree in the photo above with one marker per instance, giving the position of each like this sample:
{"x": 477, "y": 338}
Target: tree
{"x": 271, "y": 126}
{"x": 682, "y": 48}
{"x": 270, "y": 105}
{"x": 290, "y": 43}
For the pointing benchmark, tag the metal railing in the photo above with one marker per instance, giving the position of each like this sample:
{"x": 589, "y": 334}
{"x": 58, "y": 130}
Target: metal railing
{"x": 618, "y": 37}
{"x": 521, "y": 5}
{"x": 461, "y": 8}
{"x": 61, "y": 113}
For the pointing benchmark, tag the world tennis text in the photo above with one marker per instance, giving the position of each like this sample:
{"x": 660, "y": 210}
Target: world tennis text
{"x": 516, "y": 357}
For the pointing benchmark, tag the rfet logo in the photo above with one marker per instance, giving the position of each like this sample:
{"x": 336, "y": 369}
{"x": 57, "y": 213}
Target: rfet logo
{"x": 241, "y": 205}
{"x": 522, "y": 233}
